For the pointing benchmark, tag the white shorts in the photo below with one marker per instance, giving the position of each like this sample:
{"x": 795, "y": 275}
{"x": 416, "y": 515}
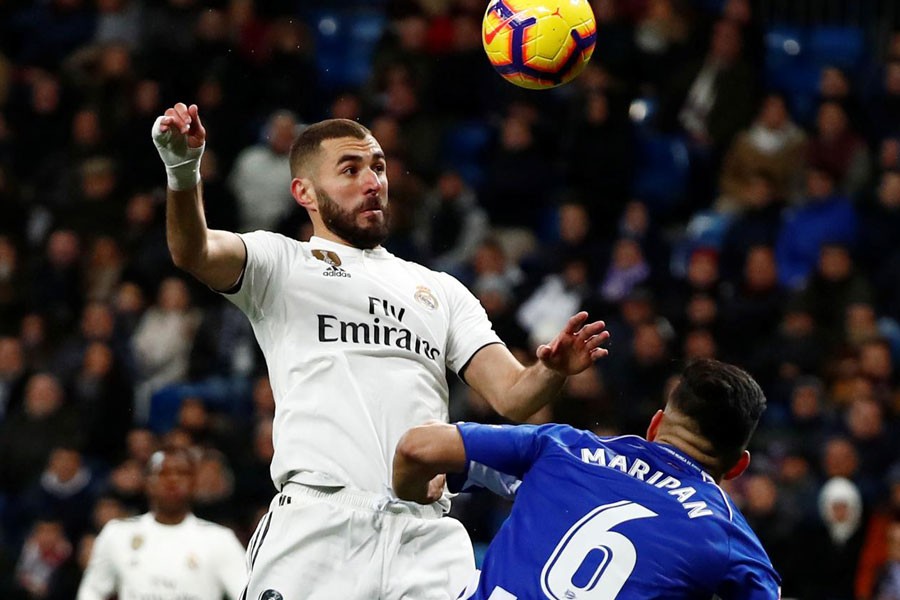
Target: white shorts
{"x": 334, "y": 543}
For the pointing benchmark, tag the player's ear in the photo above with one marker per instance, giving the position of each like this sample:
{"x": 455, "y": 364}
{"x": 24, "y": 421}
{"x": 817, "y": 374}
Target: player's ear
{"x": 739, "y": 467}
{"x": 653, "y": 428}
{"x": 304, "y": 193}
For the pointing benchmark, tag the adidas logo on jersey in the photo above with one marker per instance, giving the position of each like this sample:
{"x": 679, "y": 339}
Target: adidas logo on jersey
{"x": 333, "y": 261}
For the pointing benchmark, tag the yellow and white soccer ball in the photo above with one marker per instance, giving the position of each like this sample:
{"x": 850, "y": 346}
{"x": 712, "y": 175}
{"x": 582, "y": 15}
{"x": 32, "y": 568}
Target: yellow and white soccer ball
{"x": 539, "y": 44}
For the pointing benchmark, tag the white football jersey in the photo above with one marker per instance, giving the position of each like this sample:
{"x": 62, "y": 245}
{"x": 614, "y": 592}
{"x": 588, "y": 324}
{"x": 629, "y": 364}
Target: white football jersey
{"x": 142, "y": 559}
{"x": 357, "y": 343}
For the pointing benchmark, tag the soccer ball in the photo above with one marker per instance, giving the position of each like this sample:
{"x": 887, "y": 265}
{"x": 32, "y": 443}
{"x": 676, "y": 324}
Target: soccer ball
{"x": 539, "y": 44}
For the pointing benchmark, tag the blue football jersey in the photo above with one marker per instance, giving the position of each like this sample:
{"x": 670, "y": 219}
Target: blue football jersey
{"x": 598, "y": 518}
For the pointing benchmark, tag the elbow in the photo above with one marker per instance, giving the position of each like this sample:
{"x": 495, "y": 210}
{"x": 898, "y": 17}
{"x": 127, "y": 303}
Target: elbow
{"x": 180, "y": 261}
{"x": 412, "y": 448}
{"x": 185, "y": 261}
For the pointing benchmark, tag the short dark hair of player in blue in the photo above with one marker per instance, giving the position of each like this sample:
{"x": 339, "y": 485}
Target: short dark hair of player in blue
{"x": 724, "y": 404}
{"x": 610, "y": 517}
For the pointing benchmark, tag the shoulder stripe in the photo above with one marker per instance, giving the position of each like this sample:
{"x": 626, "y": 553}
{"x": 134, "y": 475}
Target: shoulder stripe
{"x": 725, "y": 500}
{"x": 621, "y": 437}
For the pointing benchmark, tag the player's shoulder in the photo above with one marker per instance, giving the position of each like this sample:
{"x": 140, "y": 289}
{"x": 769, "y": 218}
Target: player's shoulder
{"x": 419, "y": 269}
{"x": 270, "y": 240}
{"x": 211, "y": 528}
{"x": 565, "y": 436}
{"x": 628, "y": 441}
{"x": 124, "y": 525}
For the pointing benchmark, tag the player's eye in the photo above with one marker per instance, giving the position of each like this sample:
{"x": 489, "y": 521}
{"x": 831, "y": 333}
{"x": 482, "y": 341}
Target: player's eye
{"x": 379, "y": 168}
{"x": 349, "y": 171}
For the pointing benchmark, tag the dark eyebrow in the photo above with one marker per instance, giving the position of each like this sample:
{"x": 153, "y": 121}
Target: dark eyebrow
{"x": 356, "y": 158}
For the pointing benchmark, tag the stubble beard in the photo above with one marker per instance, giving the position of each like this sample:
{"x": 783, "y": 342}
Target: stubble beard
{"x": 342, "y": 223}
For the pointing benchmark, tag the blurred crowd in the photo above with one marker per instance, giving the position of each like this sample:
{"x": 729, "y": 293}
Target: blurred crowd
{"x": 677, "y": 190}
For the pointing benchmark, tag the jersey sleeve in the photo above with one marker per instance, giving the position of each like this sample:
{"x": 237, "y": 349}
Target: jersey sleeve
{"x": 750, "y": 574}
{"x": 267, "y": 254}
{"x": 497, "y": 457}
{"x": 469, "y": 329}
{"x": 231, "y": 566}
{"x": 100, "y": 579}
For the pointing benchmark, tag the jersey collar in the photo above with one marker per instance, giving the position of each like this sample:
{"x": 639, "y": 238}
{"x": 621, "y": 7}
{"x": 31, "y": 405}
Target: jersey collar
{"x": 343, "y": 250}
{"x": 685, "y": 459}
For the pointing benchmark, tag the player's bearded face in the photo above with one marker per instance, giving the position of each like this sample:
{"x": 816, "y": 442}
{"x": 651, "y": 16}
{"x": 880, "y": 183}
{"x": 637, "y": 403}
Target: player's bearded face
{"x": 358, "y": 225}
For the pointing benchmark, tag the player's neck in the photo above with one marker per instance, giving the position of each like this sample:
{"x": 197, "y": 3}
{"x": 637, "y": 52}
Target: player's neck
{"x": 170, "y": 517}
{"x": 326, "y": 234}
{"x": 692, "y": 444}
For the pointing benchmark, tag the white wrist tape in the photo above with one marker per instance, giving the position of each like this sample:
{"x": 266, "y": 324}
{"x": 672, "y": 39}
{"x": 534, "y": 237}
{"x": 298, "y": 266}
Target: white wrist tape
{"x": 182, "y": 162}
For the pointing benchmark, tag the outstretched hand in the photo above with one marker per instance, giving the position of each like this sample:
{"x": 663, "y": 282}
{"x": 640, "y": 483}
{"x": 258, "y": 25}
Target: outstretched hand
{"x": 576, "y": 347}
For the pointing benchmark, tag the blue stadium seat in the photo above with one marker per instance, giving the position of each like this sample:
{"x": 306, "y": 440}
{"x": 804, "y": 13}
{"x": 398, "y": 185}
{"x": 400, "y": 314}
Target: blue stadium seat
{"x": 791, "y": 68}
{"x": 643, "y": 111}
{"x": 784, "y": 45}
{"x": 839, "y": 46}
{"x": 662, "y": 171}
{"x": 345, "y": 44}
{"x": 466, "y": 140}
{"x": 463, "y": 146}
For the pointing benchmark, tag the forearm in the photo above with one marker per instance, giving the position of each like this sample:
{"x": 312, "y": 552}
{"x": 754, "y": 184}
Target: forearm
{"x": 186, "y": 230}
{"x": 533, "y": 388}
{"x": 422, "y": 454}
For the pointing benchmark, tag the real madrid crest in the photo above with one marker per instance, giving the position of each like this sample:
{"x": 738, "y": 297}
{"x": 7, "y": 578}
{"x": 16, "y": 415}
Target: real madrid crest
{"x": 137, "y": 541}
{"x": 328, "y": 257}
{"x": 424, "y": 297}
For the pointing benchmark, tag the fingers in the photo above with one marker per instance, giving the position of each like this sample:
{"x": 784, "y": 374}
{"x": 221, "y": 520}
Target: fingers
{"x": 575, "y": 322}
{"x": 196, "y": 124}
{"x": 177, "y": 118}
{"x": 590, "y": 330}
{"x": 592, "y": 344}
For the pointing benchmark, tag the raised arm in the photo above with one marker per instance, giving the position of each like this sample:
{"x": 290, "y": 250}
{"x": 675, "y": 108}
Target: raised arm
{"x": 423, "y": 455}
{"x": 516, "y": 391}
{"x": 214, "y": 257}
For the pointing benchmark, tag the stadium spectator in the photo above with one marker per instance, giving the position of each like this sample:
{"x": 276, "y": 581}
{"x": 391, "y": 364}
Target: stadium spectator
{"x": 13, "y": 375}
{"x": 840, "y": 149}
{"x": 450, "y": 223}
{"x": 828, "y": 567}
{"x": 832, "y": 287}
{"x": 29, "y": 435}
{"x": 879, "y": 548}
{"x": 260, "y": 178}
{"x": 45, "y": 550}
{"x": 773, "y": 147}
{"x": 752, "y": 306}
{"x": 12, "y": 278}
{"x": 67, "y": 489}
{"x": 826, "y": 216}
{"x": 102, "y": 396}
{"x": 162, "y": 342}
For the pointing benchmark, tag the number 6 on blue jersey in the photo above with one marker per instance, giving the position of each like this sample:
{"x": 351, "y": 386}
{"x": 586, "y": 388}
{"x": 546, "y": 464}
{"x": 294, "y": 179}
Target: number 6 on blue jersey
{"x": 591, "y": 562}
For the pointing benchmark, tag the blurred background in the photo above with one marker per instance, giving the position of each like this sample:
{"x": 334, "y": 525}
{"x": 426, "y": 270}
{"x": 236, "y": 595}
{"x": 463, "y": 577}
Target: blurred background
{"x": 723, "y": 181}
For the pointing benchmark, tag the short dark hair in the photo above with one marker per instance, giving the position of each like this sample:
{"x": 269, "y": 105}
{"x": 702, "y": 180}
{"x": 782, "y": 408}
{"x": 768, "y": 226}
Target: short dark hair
{"x": 310, "y": 139}
{"x": 724, "y": 401}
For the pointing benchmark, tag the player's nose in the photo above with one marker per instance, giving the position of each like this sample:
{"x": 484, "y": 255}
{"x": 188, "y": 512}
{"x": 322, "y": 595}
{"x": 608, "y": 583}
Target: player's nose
{"x": 372, "y": 181}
